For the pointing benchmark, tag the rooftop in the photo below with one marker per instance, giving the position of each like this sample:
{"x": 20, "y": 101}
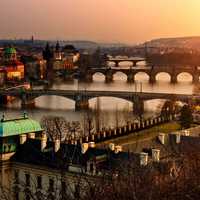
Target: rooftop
{"x": 10, "y": 50}
{"x": 24, "y": 125}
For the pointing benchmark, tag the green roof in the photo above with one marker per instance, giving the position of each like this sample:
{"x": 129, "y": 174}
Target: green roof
{"x": 10, "y": 50}
{"x": 19, "y": 126}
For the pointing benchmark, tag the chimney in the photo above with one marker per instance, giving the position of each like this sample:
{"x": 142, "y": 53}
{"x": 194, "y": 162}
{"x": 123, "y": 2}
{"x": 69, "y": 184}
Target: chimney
{"x": 186, "y": 133}
{"x": 111, "y": 146}
{"x": 118, "y": 149}
{"x": 84, "y": 147}
{"x": 161, "y": 138}
{"x": 31, "y": 135}
{"x": 156, "y": 155}
{"x": 56, "y": 145}
{"x": 22, "y": 138}
{"x": 143, "y": 159}
{"x": 43, "y": 141}
{"x": 91, "y": 144}
{"x": 178, "y": 138}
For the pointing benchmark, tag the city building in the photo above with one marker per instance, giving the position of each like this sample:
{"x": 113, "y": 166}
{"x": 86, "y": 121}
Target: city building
{"x": 62, "y": 58}
{"x": 11, "y": 69}
{"x": 32, "y": 166}
{"x": 34, "y": 67}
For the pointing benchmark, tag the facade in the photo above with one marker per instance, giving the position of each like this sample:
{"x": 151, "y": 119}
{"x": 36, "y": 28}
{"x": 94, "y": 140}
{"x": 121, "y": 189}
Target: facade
{"x": 12, "y": 134}
{"x": 34, "y": 67}
{"x": 32, "y": 167}
{"x": 11, "y": 69}
{"x": 62, "y": 58}
{"x": 65, "y": 58}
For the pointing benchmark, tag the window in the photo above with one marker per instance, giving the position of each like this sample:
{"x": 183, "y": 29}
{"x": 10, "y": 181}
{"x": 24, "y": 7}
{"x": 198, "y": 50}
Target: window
{"x": 51, "y": 184}
{"x": 39, "y": 182}
{"x": 27, "y": 177}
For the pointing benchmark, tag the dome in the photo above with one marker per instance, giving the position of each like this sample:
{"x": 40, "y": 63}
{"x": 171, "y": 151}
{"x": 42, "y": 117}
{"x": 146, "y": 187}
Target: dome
{"x": 18, "y": 127}
{"x": 10, "y": 50}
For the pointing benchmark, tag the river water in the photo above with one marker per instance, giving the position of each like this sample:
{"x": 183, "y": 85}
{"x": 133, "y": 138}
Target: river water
{"x": 113, "y": 111}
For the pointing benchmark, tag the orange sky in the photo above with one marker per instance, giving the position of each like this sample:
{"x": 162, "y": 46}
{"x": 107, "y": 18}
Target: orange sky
{"x": 127, "y": 21}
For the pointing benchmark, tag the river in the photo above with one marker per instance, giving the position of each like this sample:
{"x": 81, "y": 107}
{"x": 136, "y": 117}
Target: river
{"x": 113, "y": 110}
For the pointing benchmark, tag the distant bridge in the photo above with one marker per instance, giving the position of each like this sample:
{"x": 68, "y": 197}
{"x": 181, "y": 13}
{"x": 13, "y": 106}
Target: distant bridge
{"x": 151, "y": 71}
{"x": 134, "y": 60}
{"x": 82, "y": 97}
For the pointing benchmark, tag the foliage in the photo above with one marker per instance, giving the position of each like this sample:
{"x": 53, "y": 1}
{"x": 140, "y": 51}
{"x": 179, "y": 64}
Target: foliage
{"x": 169, "y": 108}
{"x": 186, "y": 117}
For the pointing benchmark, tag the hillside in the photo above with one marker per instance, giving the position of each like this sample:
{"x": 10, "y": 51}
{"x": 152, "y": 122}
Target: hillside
{"x": 181, "y": 42}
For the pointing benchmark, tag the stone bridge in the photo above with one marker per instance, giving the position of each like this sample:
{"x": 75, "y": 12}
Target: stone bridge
{"x": 134, "y": 60}
{"x": 151, "y": 71}
{"x": 82, "y": 97}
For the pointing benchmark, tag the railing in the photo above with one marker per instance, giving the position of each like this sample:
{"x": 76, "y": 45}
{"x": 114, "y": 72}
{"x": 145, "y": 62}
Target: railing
{"x": 113, "y": 133}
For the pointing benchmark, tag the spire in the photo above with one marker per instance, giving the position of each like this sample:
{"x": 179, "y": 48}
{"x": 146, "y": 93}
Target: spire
{"x": 57, "y": 46}
{"x": 47, "y": 53}
{"x": 32, "y": 39}
{"x": 47, "y": 48}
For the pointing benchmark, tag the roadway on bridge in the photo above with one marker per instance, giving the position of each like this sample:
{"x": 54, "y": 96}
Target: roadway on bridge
{"x": 93, "y": 93}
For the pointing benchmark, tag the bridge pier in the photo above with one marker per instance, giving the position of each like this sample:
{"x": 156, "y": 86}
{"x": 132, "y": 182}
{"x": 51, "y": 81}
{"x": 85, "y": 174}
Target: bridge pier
{"x": 134, "y": 63}
{"x": 27, "y": 103}
{"x": 138, "y": 107}
{"x": 116, "y": 64}
{"x": 195, "y": 78}
{"x": 109, "y": 77}
{"x": 152, "y": 79}
{"x": 173, "y": 78}
{"x": 131, "y": 78}
{"x": 82, "y": 105}
{"x": 88, "y": 77}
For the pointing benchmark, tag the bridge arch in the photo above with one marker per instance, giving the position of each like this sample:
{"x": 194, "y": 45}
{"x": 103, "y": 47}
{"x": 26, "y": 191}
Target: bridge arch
{"x": 156, "y": 105}
{"x": 163, "y": 76}
{"x": 120, "y": 76}
{"x": 125, "y": 63}
{"x": 142, "y": 76}
{"x": 184, "y": 77}
{"x": 110, "y": 98}
{"x": 48, "y": 101}
{"x": 142, "y": 63}
{"x": 98, "y": 76}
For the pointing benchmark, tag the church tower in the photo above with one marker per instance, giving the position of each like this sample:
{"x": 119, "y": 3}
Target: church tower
{"x": 48, "y": 56}
{"x": 57, "y": 52}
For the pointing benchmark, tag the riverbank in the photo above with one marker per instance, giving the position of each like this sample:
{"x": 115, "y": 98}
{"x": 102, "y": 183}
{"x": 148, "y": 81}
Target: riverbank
{"x": 144, "y": 134}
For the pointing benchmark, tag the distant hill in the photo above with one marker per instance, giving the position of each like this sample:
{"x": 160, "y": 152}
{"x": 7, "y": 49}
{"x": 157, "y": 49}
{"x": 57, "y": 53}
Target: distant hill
{"x": 84, "y": 44}
{"x": 179, "y": 42}
{"x": 79, "y": 44}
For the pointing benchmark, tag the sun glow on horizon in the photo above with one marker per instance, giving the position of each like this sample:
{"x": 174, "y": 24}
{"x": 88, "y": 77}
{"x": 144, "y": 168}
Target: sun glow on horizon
{"x": 100, "y": 20}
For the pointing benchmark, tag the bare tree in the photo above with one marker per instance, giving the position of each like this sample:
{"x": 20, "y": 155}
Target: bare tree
{"x": 59, "y": 128}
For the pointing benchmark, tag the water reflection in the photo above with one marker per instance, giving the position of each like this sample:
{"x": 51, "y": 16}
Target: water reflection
{"x": 60, "y": 106}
